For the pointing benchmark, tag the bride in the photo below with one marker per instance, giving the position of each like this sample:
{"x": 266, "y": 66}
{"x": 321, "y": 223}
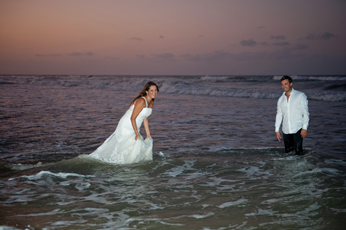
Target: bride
{"x": 126, "y": 145}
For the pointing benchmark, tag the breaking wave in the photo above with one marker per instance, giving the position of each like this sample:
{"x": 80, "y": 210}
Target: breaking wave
{"x": 314, "y": 78}
{"x": 186, "y": 85}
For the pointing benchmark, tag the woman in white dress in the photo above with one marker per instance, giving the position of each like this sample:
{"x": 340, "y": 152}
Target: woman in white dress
{"x": 126, "y": 145}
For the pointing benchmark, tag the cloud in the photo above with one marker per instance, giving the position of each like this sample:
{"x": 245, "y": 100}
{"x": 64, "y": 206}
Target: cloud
{"x": 324, "y": 36}
{"x": 261, "y": 27}
{"x": 249, "y": 42}
{"x": 80, "y": 54}
{"x": 310, "y": 37}
{"x": 142, "y": 56}
{"x": 278, "y": 37}
{"x": 281, "y": 43}
{"x": 263, "y": 43}
{"x": 161, "y": 37}
{"x": 136, "y": 39}
{"x": 113, "y": 58}
{"x": 48, "y": 55}
{"x": 221, "y": 56}
{"x": 163, "y": 56}
{"x": 300, "y": 47}
{"x": 217, "y": 55}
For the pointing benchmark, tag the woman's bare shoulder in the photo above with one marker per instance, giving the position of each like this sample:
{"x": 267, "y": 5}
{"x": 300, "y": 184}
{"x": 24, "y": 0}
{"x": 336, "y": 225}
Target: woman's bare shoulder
{"x": 139, "y": 102}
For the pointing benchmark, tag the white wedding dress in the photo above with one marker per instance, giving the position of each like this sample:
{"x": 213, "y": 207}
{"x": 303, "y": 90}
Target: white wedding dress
{"x": 121, "y": 147}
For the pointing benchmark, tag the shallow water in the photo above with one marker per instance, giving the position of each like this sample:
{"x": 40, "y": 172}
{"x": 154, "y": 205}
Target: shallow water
{"x": 221, "y": 167}
{"x": 233, "y": 189}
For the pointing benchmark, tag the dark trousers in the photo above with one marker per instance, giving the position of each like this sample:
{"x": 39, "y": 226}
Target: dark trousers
{"x": 293, "y": 142}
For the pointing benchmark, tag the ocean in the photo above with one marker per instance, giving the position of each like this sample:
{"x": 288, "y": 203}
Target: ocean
{"x": 217, "y": 163}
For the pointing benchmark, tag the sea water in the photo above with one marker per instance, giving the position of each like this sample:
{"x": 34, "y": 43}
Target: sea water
{"x": 217, "y": 163}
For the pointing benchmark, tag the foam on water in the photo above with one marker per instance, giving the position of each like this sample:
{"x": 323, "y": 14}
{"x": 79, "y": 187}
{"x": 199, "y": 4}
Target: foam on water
{"x": 47, "y": 173}
{"x": 317, "y": 78}
{"x": 237, "y": 202}
{"x": 214, "y": 77}
{"x": 199, "y": 187}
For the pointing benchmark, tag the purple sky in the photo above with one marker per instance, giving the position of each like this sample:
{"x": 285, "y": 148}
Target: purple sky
{"x": 168, "y": 37}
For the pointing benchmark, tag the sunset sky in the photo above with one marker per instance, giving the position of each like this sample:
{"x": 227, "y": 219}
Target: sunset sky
{"x": 173, "y": 37}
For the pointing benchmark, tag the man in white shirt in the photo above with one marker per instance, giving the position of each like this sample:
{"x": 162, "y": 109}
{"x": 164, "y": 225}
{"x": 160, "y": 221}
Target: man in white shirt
{"x": 293, "y": 112}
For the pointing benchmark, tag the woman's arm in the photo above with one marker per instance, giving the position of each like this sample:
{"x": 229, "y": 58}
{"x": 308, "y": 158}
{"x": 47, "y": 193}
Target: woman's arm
{"x": 139, "y": 105}
{"x": 146, "y": 127}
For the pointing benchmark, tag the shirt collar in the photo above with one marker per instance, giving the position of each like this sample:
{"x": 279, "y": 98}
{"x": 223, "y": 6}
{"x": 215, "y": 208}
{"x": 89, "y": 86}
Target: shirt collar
{"x": 293, "y": 91}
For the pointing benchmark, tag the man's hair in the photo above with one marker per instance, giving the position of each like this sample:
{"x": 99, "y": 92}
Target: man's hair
{"x": 285, "y": 77}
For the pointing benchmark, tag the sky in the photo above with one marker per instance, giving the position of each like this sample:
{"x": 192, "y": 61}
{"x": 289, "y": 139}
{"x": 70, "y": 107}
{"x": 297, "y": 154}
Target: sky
{"x": 173, "y": 37}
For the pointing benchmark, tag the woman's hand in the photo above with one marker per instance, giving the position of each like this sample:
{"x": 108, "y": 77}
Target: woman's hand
{"x": 137, "y": 137}
{"x": 139, "y": 105}
{"x": 149, "y": 136}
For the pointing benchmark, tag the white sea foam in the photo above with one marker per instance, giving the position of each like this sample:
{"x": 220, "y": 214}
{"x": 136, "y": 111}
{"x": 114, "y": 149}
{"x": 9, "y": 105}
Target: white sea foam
{"x": 271, "y": 201}
{"x": 20, "y": 166}
{"x": 318, "y": 170}
{"x": 197, "y": 216}
{"x": 336, "y": 162}
{"x": 253, "y": 172}
{"x": 48, "y": 173}
{"x": 82, "y": 186}
{"x": 262, "y": 212}
{"x": 54, "y": 212}
{"x": 197, "y": 89}
{"x": 317, "y": 78}
{"x": 233, "y": 203}
{"x": 207, "y": 77}
{"x": 179, "y": 169}
{"x": 337, "y": 210}
{"x": 3, "y": 227}
{"x": 67, "y": 223}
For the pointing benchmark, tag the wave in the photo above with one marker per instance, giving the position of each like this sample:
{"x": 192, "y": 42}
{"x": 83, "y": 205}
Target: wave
{"x": 177, "y": 85}
{"x": 327, "y": 96}
{"x": 207, "y": 77}
{"x": 48, "y": 173}
{"x": 185, "y": 88}
{"x": 314, "y": 78}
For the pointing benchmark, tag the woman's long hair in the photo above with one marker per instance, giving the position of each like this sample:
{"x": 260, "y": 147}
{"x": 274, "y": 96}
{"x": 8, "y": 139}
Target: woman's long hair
{"x": 144, "y": 90}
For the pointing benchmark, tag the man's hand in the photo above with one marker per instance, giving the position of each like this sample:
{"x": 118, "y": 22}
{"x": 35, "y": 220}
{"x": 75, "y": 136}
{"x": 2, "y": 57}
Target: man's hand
{"x": 278, "y": 136}
{"x": 303, "y": 133}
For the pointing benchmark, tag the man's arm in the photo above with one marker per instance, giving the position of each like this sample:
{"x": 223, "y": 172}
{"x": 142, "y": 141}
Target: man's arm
{"x": 305, "y": 108}
{"x": 278, "y": 120}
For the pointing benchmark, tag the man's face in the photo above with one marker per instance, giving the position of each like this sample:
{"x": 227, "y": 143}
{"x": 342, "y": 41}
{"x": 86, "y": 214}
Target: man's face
{"x": 286, "y": 86}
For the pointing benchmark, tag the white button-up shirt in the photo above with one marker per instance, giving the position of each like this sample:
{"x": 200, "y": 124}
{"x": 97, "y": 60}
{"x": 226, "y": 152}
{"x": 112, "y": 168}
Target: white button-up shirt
{"x": 294, "y": 113}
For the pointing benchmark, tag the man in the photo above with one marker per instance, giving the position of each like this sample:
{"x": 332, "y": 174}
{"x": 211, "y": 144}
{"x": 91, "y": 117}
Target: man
{"x": 292, "y": 110}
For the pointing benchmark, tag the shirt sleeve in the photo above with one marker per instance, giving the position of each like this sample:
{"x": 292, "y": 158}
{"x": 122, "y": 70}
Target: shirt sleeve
{"x": 278, "y": 118}
{"x": 304, "y": 102}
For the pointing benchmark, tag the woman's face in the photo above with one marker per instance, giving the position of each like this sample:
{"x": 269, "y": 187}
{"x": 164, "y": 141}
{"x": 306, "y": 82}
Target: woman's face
{"x": 152, "y": 92}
